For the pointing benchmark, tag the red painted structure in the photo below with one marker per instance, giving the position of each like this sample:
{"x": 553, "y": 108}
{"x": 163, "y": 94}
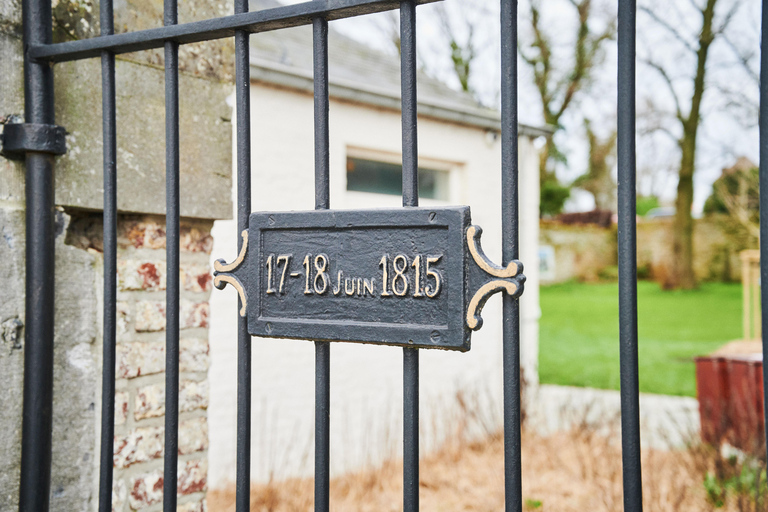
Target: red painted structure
{"x": 730, "y": 393}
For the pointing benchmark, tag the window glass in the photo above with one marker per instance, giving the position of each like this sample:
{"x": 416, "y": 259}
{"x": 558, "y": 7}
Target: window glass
{"x": 386, "y": 178}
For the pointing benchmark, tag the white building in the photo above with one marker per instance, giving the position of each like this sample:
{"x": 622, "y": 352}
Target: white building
{"x": 460, "y": 158}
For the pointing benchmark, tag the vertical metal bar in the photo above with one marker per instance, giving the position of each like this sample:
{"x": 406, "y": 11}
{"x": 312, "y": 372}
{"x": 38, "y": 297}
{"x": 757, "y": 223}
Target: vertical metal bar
{"x": 510, "y": 251}
{"x": 172, "y": 262}
{"x": 322, "y": 202}
{"x": 410, "y": 198}
{"x": 243, "y": 141}
{"x": 627, "y": 245}
{"x": 35, "y": 477}
{"x": 764, "y": 196}
{"x": 109, "y": 127}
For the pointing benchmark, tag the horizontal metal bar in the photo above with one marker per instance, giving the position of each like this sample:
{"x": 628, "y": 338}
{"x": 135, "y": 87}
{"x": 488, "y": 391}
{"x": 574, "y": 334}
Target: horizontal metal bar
{"x": 218, "y": 28}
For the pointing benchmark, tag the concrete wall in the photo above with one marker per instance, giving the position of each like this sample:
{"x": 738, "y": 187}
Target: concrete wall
{"x": 12, "y": 255}
{"x": 366, "y": 381}
{"x": 206, "y": 171}
{"x": 587, "y": 253}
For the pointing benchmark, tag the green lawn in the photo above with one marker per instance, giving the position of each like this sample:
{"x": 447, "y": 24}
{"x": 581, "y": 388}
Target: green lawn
{"x": 579, "y": 337}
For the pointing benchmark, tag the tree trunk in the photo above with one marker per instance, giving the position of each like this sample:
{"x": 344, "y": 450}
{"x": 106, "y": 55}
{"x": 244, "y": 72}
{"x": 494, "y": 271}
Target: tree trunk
{"x": 682, "y": 246}
{"x": 682, "y": 275}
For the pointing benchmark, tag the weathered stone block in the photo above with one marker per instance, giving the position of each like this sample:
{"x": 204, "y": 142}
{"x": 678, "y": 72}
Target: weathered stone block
{"x": 123, "y": 318}
{"x": 119, "y": 494}
{"x": 121, "y": 407}
{"x": 147, "y": 358}
{"x": 196, "y": 239}
{"x": 194, "y": 314}
{"x": 196, "y": 277}
{"x": 193, "y": 477}
{"x": 150, "y": 315}
{"x": 194, "y": 506}
{"x": 205, "y": 144}
{"x": 194, "y": 356}
{"x": 148, "y": 232}
{"x": 193, "y": 436}
{"x": 150, "y": 400}
{"x": 147, "y": 488}
{"x": 136, "y": 359}
{"x": 141, "y": 445}
{"x": 141, "y": 275}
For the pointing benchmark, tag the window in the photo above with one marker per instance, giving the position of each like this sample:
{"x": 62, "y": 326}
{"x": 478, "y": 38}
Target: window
{"x": 386, "y": 178}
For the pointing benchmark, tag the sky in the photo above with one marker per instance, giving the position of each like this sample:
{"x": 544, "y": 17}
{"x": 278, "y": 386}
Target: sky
{"x": 729, "y": 109}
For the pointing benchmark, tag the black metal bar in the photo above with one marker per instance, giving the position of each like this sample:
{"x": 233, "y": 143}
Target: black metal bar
{"x": 109, "y": 127}
{"x": 627, "y": 240}
{"x": 218, "y": 28}
{"x": 764, "y": 198}
{"x": 172, "y": 237}
{"x": 243, "y": 141}
{"x": 322, "y": 202}
{"x": 510, "y": 251}
{"x": 37, "y": 417}
{"x": 410, "y": 198}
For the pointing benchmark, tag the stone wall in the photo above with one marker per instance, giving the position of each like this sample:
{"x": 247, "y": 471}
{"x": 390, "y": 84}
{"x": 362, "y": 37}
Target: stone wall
{"x": 140, "y": 388}
{"x": 588, "y": 253}
{"x": 582, "y": 252}
{"x": 206, "y": 195}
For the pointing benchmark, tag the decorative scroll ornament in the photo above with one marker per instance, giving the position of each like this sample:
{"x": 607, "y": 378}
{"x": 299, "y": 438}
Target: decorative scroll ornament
{"x": 509, "y": 279}
{"x": 222, "y": 274}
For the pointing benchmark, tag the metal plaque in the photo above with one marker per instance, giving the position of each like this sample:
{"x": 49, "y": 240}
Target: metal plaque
{"x": 414, "y": 277}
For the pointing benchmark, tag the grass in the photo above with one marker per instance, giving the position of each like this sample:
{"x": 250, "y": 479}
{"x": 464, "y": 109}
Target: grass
{"x": 579, "y": 334}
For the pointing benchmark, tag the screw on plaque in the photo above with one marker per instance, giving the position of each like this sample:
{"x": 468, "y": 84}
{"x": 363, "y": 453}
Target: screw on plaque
{"x": 509, "y": 279}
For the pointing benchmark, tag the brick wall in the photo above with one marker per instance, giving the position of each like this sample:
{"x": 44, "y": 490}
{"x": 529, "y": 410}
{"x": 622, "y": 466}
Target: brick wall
{"x": 140, "y": 368}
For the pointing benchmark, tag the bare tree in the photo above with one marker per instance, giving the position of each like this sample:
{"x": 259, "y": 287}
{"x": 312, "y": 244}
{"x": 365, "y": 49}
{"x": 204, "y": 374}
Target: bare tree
{"x": 598, "y": 180}
{"x": 391, "y": 28}
{"x": 463, "y": 50}
{"x": 558, "y": 86}
{"x": 687, "y": 113}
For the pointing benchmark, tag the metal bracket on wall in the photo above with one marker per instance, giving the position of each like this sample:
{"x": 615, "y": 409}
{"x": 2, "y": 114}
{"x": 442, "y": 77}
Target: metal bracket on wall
{"x": 509, "y": 279}
{"x": 19, "y": 138}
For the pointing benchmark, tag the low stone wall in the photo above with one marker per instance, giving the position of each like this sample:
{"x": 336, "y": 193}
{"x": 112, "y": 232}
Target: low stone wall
{"x": 582, "y": 252}
{"x": 665, "y": 421}
{"x": 588, "y": 253}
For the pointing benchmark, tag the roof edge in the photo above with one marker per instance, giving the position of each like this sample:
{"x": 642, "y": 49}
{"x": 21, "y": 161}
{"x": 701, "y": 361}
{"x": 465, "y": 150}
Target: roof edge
{"x": 287, "y": 76}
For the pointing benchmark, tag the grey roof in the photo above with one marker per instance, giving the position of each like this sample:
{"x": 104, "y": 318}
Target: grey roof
{"x": 361, "y": 74}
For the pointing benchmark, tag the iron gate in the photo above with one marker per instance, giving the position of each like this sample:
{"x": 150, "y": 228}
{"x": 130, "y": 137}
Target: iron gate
{"x": 40, "y": 140}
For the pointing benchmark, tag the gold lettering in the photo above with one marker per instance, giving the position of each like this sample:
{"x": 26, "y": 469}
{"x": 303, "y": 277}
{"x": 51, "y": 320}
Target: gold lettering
{"x": 384, "y": 278}
{"x": 434, "y": 274}
{"x": 337, "y": 290}
{"x": 417, "y": 280}
{"x": 347, "y": 289}
{"x": 368, "y": 287}
{"x": 286, "y": 258}
{"x": 270, "y": 290}
{"x": 307, "y": 275}
{"x": 321, "y": 264}
{"x": 400, "y": 275}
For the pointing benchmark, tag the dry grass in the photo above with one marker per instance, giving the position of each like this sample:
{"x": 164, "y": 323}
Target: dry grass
{"x": 576, "y": 471}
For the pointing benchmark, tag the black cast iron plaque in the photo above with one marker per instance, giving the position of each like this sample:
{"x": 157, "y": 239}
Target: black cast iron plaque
{"x": 401, "y": 277}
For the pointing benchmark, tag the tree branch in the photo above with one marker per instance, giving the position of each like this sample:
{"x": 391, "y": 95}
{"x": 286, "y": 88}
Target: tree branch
{"x": 669, "y": 28}
{"x": 670, "y": 85}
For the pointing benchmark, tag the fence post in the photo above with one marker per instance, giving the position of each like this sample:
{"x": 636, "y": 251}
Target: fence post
{"x": 35, "y": 481}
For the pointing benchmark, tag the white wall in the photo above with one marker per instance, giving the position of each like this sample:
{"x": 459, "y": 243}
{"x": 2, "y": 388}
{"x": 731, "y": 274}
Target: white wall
{"x": 366, "y": 380}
